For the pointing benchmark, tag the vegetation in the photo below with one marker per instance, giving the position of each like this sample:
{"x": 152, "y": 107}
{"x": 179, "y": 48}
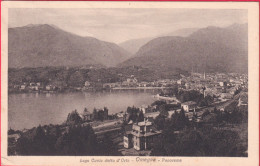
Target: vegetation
{"x": 200, "y": 142}
{"x": 196, "y": 96}
{"x": 101, "y": 114}
{"x": 181, "y": 137}
{"x": 134, "y": 114}
{"x": 56, "y": 140}
{"x": 77, "y": 141}
{"x": 63, "y": 78}
{"x": 73, "y": 118}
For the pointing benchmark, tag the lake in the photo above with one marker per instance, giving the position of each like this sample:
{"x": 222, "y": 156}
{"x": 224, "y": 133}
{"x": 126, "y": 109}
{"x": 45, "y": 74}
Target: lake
{"x": 30, "y": 109}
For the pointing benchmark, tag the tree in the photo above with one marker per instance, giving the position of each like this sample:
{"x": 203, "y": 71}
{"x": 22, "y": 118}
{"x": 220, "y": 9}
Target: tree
{"x": 95, "y": 114}
{"x": 105, "y": 113}
{"x": 74, "y": 118}
{"x": 163, "y": 111}
{"x": 179, "y": 121}
{"x": 85, "y": 110}
{"x": 132, "y": 113}
{"x": 159, "y": 122}
{"x": 24, "y": 146}
{"x": 107, "y": 147}
{"x": 37, "y": 144}
{"x": 77, "y": 141}
{"x": 205, "y": 141}
{"x": 140, "y": 116}
{"x": 158, "y": 103}
{"x": 11, "y": 131}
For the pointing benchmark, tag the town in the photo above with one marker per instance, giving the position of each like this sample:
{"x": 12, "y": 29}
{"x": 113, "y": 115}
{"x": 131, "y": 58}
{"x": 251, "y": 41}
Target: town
{"x": 195, "y": 101}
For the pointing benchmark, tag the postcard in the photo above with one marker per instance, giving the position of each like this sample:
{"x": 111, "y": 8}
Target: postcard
{"x": 129, "y": 83}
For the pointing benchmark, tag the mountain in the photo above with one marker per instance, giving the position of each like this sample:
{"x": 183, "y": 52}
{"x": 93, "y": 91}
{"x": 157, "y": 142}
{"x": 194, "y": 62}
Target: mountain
{"x": 181, "y": 32}
{"x": 134, "y": 45}
{"x": 210, "y": 49}
{"x": 47, "y": 45}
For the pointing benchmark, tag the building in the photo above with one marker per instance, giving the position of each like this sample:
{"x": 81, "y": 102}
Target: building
{"x": 87, "y": 116}
{"x": 110, "y": 85}
{"x": 180, "y": 82}
{"x": 49, "y": 87}
{"x": 23, "y": 87}
{"x": 87, "y": 83}
{"x": 226, "y": 96}
{"x": 243, "y": 100}
{"x": 187, "y": 85}
{"x": 131, "y": 80}
{"x": 142, "y": 136}
{"x": 189, "y": 106}
{"x": 222, "y": 83}
{"x": 146, "y": 109}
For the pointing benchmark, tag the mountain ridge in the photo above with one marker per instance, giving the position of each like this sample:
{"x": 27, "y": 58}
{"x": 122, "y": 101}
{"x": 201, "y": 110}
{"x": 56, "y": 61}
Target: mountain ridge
{"x": 133, "y": 45}
{"x": 210, "y": 49}
{"x": 45, "y": 45}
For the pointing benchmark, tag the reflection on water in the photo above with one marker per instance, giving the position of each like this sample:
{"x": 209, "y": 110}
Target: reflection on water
{"x": 30, "y": 110}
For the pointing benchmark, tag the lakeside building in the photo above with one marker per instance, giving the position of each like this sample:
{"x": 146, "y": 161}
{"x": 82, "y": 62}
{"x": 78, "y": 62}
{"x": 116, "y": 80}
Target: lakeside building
{"x": 142, "y": 136}
{"x": 87, "y": 84}
{"x": 189, "y": 106}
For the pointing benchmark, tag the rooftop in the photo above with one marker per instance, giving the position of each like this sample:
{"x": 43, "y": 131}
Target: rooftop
{"x": 144, "y": 123}
{"x": 189, "y": 103}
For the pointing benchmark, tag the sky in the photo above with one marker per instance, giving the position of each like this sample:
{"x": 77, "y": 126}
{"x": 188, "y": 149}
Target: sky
{"x": 118, "y": 25}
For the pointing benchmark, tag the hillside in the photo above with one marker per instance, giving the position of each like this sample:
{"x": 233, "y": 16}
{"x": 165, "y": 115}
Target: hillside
{"x": 210, "y": 49}
{"x": 135, "y": 44}
{"x": 46, "y": 45}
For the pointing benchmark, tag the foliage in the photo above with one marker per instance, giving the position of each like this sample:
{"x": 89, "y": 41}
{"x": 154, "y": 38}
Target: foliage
{"x": 77, "y": 141}
{"x": 134, "y": 114}
{"x": 179, "y": 121}
{"x": 74, "y": 141}
{"x": 196, "y": 96}
{"x": 74, "y": 118}
{"x": 202, "y": 142}
{"x": 158, "y": 103}
{"x": 159, "y": 122}
{"x": 40, "y": 143}
{"x": 101, "y": 114}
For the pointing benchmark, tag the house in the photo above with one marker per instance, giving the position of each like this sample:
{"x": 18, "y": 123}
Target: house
{"x": 15, "y": 136}
{"x": 243, "y": 100}
{"x": 109, "y": 85}
{"x": 180, "y": 82}
{"x": 120, "y": 114}
{"x": 32, "y": 84}
{"x": 189, "y": 106}
{"x": 222, "y": 83}
{"x": 87, "y": 83}
{"x": 226, "y": 96}
{"x": 145, "y": 109}
{"x": 131, "y": 80}
{"x": 48, "y": 87}
{"x": 142, "y": 136}
{"x": 86, "y": 116}
{"x": 23, "y": 87}
{"x": 187, "y": 85}
{"x": 143, "y": 84}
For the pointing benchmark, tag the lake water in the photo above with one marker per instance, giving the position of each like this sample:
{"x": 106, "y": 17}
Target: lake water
{"x": 29, "y": 110}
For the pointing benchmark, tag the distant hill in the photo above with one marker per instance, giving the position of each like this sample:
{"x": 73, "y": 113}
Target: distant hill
{"x": 134, "y": 45}
{"x": 181, "y": 32}
{"x": 46, "y": 45}
{"x": 210, "y": 49}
